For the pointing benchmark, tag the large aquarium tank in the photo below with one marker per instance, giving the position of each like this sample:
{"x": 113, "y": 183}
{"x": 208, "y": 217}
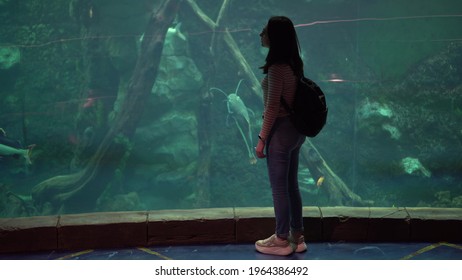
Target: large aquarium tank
{"x": 122, "y": 105}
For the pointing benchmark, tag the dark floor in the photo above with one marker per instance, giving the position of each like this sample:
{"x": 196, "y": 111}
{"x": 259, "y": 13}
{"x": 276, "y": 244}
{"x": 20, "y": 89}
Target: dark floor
{"x": 316, "y": 251}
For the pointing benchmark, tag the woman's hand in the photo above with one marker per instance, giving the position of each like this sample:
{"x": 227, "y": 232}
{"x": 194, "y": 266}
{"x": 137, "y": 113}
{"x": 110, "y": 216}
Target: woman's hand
{"x": 259, "y": 150}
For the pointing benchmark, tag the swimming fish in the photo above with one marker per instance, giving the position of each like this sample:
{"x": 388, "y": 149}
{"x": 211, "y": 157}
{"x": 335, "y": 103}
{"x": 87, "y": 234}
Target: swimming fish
{"x": 10, "y": 151}
{"x": 320, "y": 181}
{"x": 176, "y": 32}
{"x": 9, "y": 147}
{"x": 238, "y": 110}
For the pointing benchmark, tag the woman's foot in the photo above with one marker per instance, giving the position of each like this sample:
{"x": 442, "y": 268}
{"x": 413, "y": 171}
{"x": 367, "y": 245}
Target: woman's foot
{"x": 274, "y": 245}
{"x": 299, "y": 243}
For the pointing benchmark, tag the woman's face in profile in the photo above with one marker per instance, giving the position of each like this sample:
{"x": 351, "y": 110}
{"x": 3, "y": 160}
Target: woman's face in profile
{"x": 264, "y": 37}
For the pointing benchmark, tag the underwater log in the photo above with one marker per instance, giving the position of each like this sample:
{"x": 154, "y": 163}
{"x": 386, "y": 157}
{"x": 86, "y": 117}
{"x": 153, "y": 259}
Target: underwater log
{"x": 229, "y": 42}
{"x": 80, "y": 191}
{"x": 242, "y": 62}
{"x": 202, "y": 189}
{"x": 338, "y": 192}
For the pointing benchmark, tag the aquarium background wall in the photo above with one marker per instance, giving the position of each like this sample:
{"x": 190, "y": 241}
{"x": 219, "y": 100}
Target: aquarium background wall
{"x": 391, "y": 71}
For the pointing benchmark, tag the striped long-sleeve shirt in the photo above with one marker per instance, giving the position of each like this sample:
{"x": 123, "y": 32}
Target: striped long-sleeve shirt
{"x": 280, "y": 80}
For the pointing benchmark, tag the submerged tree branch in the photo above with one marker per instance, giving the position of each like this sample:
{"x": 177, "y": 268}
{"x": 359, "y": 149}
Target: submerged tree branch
{"x": 80, "y": 191}
{"x": 337, "y": 191}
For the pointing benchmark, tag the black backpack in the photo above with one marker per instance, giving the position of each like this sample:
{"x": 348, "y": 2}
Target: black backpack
{"x": 309, "y": 113}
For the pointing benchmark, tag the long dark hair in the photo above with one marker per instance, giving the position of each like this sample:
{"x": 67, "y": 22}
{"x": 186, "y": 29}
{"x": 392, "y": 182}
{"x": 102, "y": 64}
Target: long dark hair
{"x": 283, "y": 45}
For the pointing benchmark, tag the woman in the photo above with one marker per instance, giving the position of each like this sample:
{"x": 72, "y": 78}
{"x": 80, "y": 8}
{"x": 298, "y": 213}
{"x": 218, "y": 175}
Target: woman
{"x": 282, "y": 141}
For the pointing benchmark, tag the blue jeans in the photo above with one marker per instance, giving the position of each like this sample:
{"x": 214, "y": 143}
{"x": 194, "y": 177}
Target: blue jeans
{"x": 282, "y": 155}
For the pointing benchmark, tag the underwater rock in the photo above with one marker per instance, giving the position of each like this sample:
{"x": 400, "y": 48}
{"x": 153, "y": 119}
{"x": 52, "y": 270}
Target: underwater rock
{"x": 373, "y": 115}
{"x": 177, "y": 73}
{"x": 394, "y": 131}
{"x": 179, "y": 138}
{"x": 172, "y": 138}
{"x": 164, "y": 153}
{"x": 457, "y": 201}
{"x": 9, "y": 56}
{"x": 443, "y": 198}
{"x": 414, "y": 166}
{"x": 374, "y": 109}
{"x": 436, "y": 75}
{"x": 120, "y": 202}
{"x": 13, "y": 205}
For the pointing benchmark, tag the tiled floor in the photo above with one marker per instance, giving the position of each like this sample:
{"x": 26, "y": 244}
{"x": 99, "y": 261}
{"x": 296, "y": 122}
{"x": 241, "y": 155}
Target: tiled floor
{"x": 316, "y": 251}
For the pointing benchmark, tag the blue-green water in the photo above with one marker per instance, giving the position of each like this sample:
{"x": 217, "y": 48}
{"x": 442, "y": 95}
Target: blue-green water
{"x": 105, "y": 141}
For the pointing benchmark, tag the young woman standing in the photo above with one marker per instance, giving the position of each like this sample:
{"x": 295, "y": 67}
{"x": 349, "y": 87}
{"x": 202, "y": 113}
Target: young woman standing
{"x": 282, "y": 141}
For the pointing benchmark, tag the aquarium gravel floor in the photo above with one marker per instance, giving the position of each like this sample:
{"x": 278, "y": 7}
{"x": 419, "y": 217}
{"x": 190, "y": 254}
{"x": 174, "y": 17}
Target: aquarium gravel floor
{"x": 316, "y": 251}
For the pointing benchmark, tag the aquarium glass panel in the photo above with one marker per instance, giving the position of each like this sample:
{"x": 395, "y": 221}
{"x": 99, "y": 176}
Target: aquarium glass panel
{"x": 121, "y": 105}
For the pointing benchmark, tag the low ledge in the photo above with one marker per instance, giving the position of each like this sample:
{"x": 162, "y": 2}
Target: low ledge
{"x": 225, "y": 225}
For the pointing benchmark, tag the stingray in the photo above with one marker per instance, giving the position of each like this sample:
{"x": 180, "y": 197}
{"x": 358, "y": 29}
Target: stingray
{"x": 237, "y": 109}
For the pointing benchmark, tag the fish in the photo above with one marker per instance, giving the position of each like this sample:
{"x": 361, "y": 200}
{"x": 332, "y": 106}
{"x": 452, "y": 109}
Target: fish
{"x": 176, "y": 32}
{"x": 89, "y": 102}
{"x": 10, "y": 147}
{"x": 238, "y": 110}
{"x": 320, "y": 181}
{"x": 10, "y": 151}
